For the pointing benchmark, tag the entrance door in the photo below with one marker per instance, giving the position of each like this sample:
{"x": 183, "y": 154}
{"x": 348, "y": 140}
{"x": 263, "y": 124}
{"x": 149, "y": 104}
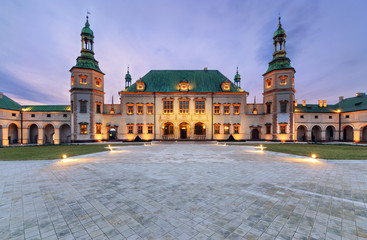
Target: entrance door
{"x": 112, "y": 134}
{"x": 183, "y": 134}
{"x": 255, "y": 134}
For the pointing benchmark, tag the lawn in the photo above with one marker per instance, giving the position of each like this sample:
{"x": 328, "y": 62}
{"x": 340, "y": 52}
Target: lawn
{"x": 340, "y": 152}
{"x": 48, "y": 152}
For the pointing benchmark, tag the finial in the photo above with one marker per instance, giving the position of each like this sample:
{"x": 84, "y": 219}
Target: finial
{"x": 87, "y": 15}
{"x": 280, "y": 24}
{"x": 112, "y": 99}
{"x": 237, "y": 69}
{"x": 128, "y": 68}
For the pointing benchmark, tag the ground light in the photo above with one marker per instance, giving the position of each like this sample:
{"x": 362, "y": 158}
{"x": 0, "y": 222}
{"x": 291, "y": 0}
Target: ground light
{"x": 313, "y": 156}
{"x": 64, "y": 156}
{"x": 261, "y": 147}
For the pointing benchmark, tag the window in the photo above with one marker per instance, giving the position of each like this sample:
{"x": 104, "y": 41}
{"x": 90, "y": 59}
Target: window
{"x": 140, "y": 129}
{"x": 199, "y": 129}
{"x": 83, "y": 79}
{"x": 226, "y": 129}
{"x": 301, "y": 116}
{"x": 282, "y": 129}
{"x": 184, "y": 106}
{"x": 283, "y": 106}
{"x": 33, "y": 115}
{"x": 98, "y": 128}
{"x": 347, "y": 116}
{"x": 98, "y": 82}
{"x": 65, "y": 116}
{"x": 316, "y": 116}
{"x": 236, "y": 109}
{"x": 98, "y": 107}
{"x": 200, "y": 106}
{"x": 268, "y": 83}
{"x": 13, "y": 114}
{"x": 168, "y": 106}
{"x": 72, "y": 80}
{"x": 83, "y": 128}
{"x": 130, "y": 109}
{"x": 236, "y": 129}
{"x": 130, "y": 129}
{"x": 140, "y": 109}
{"x": 48, "y": 115}
{"x": 268, "y": 128}
{"x": 150, "y": 109}
{"x": 150, "y": 129}
{"x": 226, "y": 109}
{"x": 283, "y": 80}
{"x": 216, "y": 129}
{"x": 268, "y": 108}
{"x": 330, "y": 117}
{"x": 168, "y": 129}
{"x": 217, "y": 109}
{"x": 83, "y": 106}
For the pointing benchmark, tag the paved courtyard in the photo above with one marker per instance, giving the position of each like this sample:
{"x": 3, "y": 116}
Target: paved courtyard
{"x": 183, "y": 191}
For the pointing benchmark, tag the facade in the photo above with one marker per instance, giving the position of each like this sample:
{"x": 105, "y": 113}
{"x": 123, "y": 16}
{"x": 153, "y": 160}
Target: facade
{"x": 182, "y": 105}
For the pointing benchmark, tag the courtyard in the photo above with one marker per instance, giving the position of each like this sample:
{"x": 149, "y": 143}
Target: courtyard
{"x": 183, "y": 191}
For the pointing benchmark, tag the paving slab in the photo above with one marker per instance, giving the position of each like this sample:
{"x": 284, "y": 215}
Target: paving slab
{"x": 183, "y": 191}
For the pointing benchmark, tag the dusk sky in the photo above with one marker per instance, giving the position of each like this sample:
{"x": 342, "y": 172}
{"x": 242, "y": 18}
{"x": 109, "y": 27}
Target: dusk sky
{"x": 40, "y": 41}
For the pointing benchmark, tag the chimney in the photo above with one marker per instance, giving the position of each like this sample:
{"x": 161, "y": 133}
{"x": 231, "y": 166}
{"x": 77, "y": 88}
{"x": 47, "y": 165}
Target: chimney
{"x": 304, "y": 103}
{"x": 295, "y": 103}
{"x": 1, "y": 95}
{"x": 324, "y": 103}
{"x": 341, "y": 98}
{"x": 205, "y": 69}
{"x": 320, "y": 103}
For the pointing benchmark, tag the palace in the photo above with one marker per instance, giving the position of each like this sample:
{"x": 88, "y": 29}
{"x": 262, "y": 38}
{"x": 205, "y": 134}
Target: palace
{"x": 182, "y": 105}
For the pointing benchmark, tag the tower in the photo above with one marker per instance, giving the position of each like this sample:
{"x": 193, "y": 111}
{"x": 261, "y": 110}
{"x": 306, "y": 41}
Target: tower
{"x": 237, "y": 79}
{"x": 87, "y": 91}
{"x": 279, "y": 90}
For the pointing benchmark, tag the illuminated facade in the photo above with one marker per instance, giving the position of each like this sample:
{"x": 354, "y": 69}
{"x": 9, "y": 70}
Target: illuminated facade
{"x": 182, "y": 105}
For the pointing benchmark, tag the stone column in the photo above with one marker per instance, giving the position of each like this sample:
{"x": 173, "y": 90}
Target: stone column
{"x": 356, "y": 135}
{"x": 40, "y": 136}
{"x": 323, "y": 135}
{"x": 57, "y": 136}
{"x": 309, "y": 135}
{"x": 25, "y": 136}
{"x": 5, "y": 137}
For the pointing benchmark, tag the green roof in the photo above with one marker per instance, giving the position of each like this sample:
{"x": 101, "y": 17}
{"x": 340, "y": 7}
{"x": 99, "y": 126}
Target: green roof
{"x": 86, "y": 61}
{"x": 7, "y": 103}
{"x": 87, "y": 31}
{"x": 46, "y": 108}
{"x": 358, "y": 103}
{"x": 279, "y": 32}
{"x": 278, "y": 63}
{"x": 199, "y": 81}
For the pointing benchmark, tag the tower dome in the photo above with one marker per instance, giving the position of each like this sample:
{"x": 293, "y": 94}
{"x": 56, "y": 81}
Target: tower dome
{"x": 86, "y": 30}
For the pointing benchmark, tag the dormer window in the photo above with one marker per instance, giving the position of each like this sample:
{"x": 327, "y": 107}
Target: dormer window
{"x": 184, "y": 86}
{"x": 72, "y": 80}
{"x": 226, "y": 86}
{"x": 98, "y": 82}
{"x": 140, "y": 85}
{"x": 283, "y": 80}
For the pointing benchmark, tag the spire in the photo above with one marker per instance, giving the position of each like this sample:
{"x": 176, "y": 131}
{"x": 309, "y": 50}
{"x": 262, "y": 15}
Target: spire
{"x": 237, "y": 79}
{"x": 86, "y": 60}
{"x": 112, "y": 99}
{"x": 127, "y": 78}
{"x": 280, "y": 60}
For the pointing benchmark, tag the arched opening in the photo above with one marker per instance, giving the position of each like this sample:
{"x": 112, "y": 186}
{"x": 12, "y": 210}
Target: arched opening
{"x": 348, "y": 133}
{"x": 13, "y": 133}
{"x": 316, "y": 134}
{"x": 65, "y": 133}
{"x": 184, "y": 130}
{"x": 200, "y": 129}
{"x": 330, "y": 133}
{"x": 168, "y": 129}
{"x": 364, "y": 134}
{"x": 301, "y": 133}
{"x": 33, "y": 134}
{"x": 255, "y": 135}
{"x": 112, "y": 133}
{"x": 49, "y": 132}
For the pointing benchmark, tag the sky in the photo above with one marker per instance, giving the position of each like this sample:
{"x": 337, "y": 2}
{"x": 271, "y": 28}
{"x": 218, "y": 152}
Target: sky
{"x": 40, "y": 41}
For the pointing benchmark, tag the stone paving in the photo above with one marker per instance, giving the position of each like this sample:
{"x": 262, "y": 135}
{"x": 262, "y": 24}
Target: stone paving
{"x": 183, "y": 191}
